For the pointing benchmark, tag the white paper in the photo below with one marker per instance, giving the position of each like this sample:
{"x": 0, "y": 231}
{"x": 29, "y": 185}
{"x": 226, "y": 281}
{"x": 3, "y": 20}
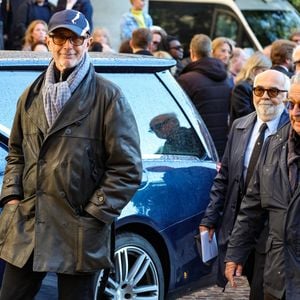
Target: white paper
{"x": 209, "y": 248}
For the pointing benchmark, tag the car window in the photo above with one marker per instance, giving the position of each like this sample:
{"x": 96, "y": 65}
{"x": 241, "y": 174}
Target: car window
{"x": 3, "y": 154}
{"x": 163, "y": 127}
{"x": 12, "y": 84}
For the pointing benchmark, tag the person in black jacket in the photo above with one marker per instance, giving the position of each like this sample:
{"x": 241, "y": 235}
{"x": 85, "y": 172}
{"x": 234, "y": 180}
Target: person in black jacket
{"x": 205, "y": 82}
{"x": 74, "y": 162}
{"x": 273, "y": 193}
{"x": 281, "y": 56}
{"x": 230, "y": 183}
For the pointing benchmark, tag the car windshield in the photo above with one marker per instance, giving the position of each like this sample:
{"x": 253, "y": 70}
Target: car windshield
{"x": 270, "y": 25}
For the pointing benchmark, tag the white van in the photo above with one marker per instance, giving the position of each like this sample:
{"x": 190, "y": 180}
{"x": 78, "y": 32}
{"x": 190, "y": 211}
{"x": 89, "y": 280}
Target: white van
{"x": 251, "y": 23}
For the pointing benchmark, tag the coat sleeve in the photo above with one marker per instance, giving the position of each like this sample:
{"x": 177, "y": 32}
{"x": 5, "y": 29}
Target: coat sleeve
{"x": 123, "y": 162}
{"x": 249, "y": 224}
{"x": 218, "y": 191}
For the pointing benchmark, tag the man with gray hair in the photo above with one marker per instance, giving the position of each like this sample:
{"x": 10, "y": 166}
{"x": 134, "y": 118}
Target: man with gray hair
{"x": 204, "y": 79}
{"x": 273, "y": 194}
{"x": 239, "y": 160}
{"x": 74, "y": 162}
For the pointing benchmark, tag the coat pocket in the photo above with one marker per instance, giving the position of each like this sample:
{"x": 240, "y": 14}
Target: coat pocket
{"x": 94, "y": 243}
{"x": 6, "y": 218}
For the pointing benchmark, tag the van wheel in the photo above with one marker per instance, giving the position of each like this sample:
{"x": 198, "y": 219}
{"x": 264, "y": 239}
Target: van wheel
{"x": 138, "y": 272}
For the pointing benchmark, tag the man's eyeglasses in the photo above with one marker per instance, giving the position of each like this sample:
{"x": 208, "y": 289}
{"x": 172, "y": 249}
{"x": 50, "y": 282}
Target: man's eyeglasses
{"x": 296, "y": 62}
{"x": 159, "y": 126}
{"x": 272, "y": 92}
{"x": 177, "y": 48}
{"x": 290, "y": 104}
{"x": 59, "y": 39}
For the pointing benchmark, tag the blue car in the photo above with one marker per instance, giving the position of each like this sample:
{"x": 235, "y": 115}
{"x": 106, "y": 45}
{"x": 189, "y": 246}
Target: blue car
{"x": 156, "y": 254}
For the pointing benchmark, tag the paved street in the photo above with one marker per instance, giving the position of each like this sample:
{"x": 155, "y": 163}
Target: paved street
{"x": 48, "y": 292}
{"x": 215, "y": 293}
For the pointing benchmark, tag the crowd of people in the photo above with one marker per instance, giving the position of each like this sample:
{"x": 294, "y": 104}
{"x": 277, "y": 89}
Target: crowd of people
{"x": 250, "y": 105}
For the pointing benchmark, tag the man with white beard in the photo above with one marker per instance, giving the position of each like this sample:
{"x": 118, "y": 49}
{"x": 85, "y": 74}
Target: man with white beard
{"x": 273, "y": 193}
{"x": 238, "y": 163}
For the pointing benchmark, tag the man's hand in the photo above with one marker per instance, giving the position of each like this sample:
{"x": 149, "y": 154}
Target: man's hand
{"x": 231, "y": 270}
{"x": 210, "y": 231}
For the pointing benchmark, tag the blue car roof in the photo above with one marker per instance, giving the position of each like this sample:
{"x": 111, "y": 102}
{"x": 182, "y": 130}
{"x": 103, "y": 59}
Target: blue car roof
{"x": 122, "y": 63}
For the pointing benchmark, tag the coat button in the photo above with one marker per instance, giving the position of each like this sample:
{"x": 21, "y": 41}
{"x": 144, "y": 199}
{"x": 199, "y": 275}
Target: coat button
{"x": 41, "y": 162}
{"x": 68, "y": 131}
{"x": 39, "y": 193}
{"x": 62, "y": 194}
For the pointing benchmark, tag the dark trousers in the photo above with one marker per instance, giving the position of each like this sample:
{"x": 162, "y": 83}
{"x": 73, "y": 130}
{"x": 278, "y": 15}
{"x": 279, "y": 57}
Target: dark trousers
{"x": 254, "y": 271}
{"x": 24, "y": 284}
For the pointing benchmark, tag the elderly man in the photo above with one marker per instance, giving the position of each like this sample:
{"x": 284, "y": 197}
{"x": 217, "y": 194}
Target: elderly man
{"x": 273, "y": 193}
{"x": 230, "y": 184}
{"x": 73, "y": 164}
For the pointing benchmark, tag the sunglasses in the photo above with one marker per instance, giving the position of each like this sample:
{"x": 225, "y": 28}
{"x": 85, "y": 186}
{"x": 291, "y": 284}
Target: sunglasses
{"x": 272, "y": 92}
{"x": 159, "y": 126}
{"x": 296, "y": 62}
{"x": 177, "y": 48}
{"x": 59, "y": 39}
{"x": 290, "y": 104}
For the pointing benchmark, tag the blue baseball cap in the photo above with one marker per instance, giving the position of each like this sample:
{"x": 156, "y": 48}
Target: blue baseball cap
{"x": 69, "y": 19}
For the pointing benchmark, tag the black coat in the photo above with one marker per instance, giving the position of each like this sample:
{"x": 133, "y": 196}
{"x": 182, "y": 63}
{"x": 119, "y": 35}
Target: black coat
{"x": 241, "y": 103}
{"x": 228, "y": 187}
{"x": 73, "y": 179}
{"x": 282, "y": 70}
{"x": 205, "y": 82}
{"x": 270, "y": 194}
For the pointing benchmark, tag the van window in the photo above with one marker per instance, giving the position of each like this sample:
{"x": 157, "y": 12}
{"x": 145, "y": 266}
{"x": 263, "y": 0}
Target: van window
{"x": 184, "y": 20}
{"x": 269, "y": 25}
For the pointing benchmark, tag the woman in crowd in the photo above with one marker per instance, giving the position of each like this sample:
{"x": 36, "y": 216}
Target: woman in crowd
{"x": 101, "y": 35}
{"x": 36, "y": 32}
{"x": 222, "y": 48}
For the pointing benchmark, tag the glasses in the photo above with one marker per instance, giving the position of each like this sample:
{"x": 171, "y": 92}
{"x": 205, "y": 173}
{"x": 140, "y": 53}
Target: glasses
{"x": 159, "y": 126}
{"x": 61, "y": 39}
{"x": 177, "y": 48}
{"x": 290, "y": 104}
{"x": 272, "y": 92}
{"x": 296, "y": 62}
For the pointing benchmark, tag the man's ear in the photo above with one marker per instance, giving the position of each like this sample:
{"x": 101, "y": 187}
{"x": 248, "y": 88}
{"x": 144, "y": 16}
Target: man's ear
{"x": 89, "y": 42}
{"x": 48, "y": 43}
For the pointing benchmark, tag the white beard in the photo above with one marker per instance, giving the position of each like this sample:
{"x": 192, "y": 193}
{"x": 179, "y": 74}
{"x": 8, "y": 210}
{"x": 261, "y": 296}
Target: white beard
{"x": 267, "y": 111}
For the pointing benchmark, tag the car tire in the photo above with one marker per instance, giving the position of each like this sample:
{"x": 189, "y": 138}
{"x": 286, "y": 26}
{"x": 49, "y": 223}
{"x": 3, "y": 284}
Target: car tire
{"x": 138, "y": 272}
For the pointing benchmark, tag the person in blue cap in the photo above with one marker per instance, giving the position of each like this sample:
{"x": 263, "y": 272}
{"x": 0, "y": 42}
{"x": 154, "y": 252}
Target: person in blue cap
{"x": 74, "y": 162}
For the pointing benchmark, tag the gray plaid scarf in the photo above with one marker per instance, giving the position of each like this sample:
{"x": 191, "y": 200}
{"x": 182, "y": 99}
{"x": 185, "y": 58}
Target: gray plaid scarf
{"x": 56, "y": 95}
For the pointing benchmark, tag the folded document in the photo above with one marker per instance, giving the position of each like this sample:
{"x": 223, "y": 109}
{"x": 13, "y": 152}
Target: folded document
{"x": 209, "y": 248}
